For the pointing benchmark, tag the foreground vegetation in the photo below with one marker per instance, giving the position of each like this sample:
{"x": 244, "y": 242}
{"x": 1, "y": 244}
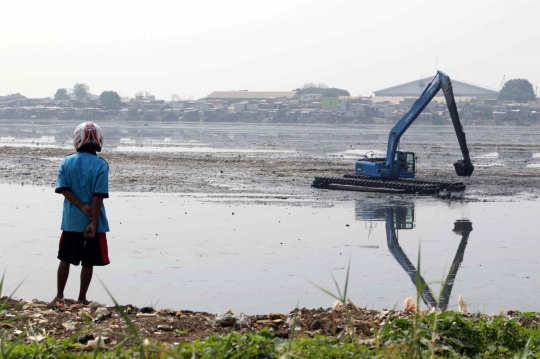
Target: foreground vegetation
{"x": 445, "y": 335}
{"x": 414, "y": 334}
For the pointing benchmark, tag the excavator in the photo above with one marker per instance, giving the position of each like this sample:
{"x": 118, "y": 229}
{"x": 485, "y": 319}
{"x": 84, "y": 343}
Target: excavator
{"x": 394, "y": 173}
{"x": 401, "y": 217}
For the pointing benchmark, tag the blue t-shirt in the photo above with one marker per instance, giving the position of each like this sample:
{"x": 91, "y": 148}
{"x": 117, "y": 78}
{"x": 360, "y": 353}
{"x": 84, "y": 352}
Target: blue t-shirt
{"x": 86, "y": 176}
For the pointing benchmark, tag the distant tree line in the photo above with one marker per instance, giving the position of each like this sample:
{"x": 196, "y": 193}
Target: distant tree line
{"x": 321, "y": 88}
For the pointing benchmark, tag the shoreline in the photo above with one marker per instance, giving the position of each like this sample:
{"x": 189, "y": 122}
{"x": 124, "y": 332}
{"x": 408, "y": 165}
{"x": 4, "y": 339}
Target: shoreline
{"x": 174, "y": 325}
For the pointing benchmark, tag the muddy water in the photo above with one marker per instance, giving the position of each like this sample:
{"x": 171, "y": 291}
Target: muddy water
{"x": 212, "y": 252}
{"x": 436, "y": 146}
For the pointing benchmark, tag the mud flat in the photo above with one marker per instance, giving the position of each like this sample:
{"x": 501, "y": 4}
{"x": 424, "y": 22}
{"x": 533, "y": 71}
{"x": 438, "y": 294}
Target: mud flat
{"x": 201, "y": 214}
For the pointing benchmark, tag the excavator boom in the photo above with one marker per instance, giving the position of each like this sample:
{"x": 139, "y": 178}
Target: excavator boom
{"x": 396, "y": 171}
{"x": 441, "y": 81}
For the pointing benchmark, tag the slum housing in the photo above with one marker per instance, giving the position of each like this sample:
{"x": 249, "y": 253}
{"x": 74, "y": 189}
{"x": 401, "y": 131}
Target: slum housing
{"x": 274, "y": 106}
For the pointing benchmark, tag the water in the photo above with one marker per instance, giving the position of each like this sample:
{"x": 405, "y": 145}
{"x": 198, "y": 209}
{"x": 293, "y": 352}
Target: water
{"x": 436, "y": 146}
{"x": 212, "y": 253}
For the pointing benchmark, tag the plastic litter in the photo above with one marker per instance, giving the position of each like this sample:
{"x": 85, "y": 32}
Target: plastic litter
{"x": 409, "y": 304}
{"x": 85, "y": 338}
{"x": 338, "y": 305}
{"x": 147, "y": 310}
{"x": 462, "y": 305}
{"x": 36, "y": 338}
{"x": 101, "y": 318}
{"x": 102, "y": 311}
{"x": 93, "y": 343}
{"x": 94, "y": 305}
{"x": 230, "y": 318}
{"x": 69, "y": 325}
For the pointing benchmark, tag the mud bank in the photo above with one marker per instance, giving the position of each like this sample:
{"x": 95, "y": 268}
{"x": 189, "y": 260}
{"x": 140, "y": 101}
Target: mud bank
{"x": 288, "y": 174}
{"x": 69, "y": 319}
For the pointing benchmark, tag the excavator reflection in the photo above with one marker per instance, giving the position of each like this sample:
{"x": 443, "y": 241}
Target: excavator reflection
{"x": 402, "y": 217}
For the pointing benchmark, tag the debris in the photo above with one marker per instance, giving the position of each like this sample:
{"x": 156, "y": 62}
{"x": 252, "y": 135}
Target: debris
{"x": 462, "y": 305}
{"x": 69, "y": 325}
{"x": 435, "y": 310}
{"x": 274, "y": 316}
{"x": 85, "y": 338}
{"x": 101, "y": 318}
{"x": 94, "y": 305}
{"x": 338, "y": 305}
{"x": 366, "y": 341}
{"x": 409, "y": 304}
{"x": 165, "y": 328}
{"x": 36, "y": 338}
{"x": 146, "y": 314}
{"x": 28, "y": 305}
{"x": 265, "y": 322}
{"x": 229, "y": 319}
{"x": 94, "y": 342}
{"x": 295, "y": 321}
{"x": 102, "y": 311}
{"x": 147, "y": 310}
{"x": 75, "y": 306}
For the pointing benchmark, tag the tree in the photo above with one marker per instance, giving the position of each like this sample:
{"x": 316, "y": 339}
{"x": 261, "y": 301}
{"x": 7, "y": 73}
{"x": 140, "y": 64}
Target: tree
{"x": 133, "y": 111}
{"x": 61, "y": 94}
{"x": 436, "y": 118}
{"x": 81, "y": 91}
{"x": 323, "y": 89}
{"x": 139, "y": 96}
{"x": 519, "y": 90}
{"x": 110, "y": 99}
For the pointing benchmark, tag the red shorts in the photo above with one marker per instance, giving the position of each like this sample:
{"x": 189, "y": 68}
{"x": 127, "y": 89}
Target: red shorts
{"x": 74, "y": 249}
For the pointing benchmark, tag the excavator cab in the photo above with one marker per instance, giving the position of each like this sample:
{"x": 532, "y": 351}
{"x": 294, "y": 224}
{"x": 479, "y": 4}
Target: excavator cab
{"x": 405, "y": 164}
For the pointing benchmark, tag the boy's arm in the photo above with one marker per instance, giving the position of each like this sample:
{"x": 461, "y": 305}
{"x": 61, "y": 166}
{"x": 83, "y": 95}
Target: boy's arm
{"x": 85, "y": 208}
{"x": 90, "y": 230}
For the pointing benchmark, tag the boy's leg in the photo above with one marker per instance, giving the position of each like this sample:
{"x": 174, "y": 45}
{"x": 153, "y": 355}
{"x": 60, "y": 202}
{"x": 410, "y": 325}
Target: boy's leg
{"x": 62, "y": 277}
{"x": 86, "y": 278}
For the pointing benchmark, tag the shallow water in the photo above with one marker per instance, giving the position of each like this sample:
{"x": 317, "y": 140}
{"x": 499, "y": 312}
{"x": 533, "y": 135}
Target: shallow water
{"x": 435, "y": 146}
{"x": 216, "y": 252}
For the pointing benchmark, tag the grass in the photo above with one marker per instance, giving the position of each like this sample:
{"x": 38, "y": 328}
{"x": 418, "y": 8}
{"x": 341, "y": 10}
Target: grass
{"x": 422, "y": 335}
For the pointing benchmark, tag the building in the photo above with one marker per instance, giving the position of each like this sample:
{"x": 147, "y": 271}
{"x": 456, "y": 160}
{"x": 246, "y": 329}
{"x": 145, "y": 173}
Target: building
{"x": 415, "y": 88}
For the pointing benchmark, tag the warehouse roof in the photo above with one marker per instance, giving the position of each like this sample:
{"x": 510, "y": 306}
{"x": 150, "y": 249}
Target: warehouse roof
{"x": 415, "y": 88}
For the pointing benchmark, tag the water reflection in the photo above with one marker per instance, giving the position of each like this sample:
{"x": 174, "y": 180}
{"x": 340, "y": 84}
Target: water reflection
{"x": 402, "y": 217}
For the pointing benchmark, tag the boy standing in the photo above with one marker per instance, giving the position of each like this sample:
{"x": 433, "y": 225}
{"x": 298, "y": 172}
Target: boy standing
{"x": 83, "y": 179}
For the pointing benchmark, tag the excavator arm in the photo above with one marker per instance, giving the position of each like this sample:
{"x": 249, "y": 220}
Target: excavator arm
{"x": 441, "y": 81}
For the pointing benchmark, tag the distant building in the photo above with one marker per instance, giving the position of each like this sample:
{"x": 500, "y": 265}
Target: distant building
{"x": 415, "y": 88}
{"x": 329, "y": 103}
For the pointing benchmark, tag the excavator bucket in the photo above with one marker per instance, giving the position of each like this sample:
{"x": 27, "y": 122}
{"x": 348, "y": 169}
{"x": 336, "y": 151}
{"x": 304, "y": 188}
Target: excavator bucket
{"x": 464, "y": 168}
{"x": 462, "y": 227}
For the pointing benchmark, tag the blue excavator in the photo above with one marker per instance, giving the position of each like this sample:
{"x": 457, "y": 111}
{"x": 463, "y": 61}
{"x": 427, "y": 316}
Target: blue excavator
{"x": 390, "y": 174}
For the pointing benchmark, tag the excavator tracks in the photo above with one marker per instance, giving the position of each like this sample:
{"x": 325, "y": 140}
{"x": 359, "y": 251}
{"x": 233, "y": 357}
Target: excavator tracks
{"x": 368, "y": 184}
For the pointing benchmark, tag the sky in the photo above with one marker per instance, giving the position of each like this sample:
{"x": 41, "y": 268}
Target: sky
{"x": 192, "y": 48}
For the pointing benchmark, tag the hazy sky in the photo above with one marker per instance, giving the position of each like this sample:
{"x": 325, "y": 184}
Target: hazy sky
{"x": 195, "y": 47}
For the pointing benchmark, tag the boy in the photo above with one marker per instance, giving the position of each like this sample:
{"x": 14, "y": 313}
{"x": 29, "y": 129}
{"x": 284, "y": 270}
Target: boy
{"x": 83, "y": 179}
